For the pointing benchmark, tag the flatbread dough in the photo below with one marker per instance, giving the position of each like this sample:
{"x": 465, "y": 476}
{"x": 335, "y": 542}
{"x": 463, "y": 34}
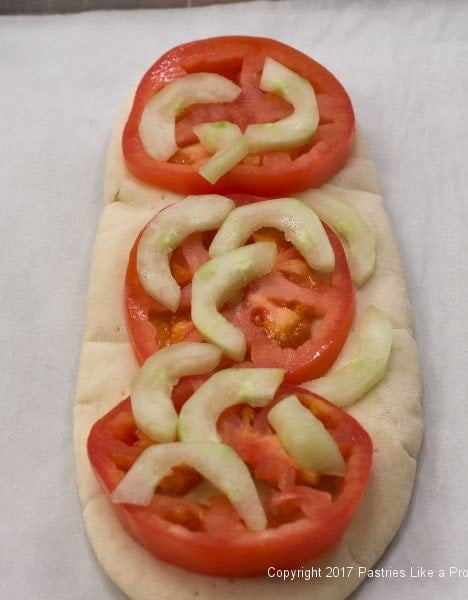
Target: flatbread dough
{"x": 390, "y": 412}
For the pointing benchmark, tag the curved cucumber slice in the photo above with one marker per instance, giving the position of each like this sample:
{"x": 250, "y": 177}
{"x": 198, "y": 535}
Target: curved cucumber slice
{"x": 151, "y": 387}
{"x": 198, "y": 417}
{"x": 295, "y": 130}
{"x": 217, "y": 280}
{"x": 305, "y": 438}
{"x": 351, "y": 382}
{"x": 164, "y": 233}
{"x": 299, "y": 223}
{"x": 217, "y": 135}
{"x": 157, "y": 123}
{"x": 346, "y": 221}
{"x": 218, "y": 463}
{"x": 225, "y": 139}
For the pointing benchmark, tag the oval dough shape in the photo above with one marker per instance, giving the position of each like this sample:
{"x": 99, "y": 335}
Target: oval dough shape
{"x": 390, "y": 412}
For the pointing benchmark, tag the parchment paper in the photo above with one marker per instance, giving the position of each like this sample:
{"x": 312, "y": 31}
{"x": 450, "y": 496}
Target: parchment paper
{"x": 62, "y": 78}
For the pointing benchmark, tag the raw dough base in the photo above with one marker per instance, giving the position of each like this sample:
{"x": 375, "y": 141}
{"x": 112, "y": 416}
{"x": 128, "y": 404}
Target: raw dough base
{"x": 390, "y": 412}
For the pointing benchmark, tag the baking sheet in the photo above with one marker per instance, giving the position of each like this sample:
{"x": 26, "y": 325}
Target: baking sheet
{"x": 62, "y": 79}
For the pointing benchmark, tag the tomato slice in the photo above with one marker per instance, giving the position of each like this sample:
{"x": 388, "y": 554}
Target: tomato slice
{"x": 150, "y": 324}
{"x": 292, "y": 318}
{"x": 241, "y": 59}
{"x": 307, "y": 513}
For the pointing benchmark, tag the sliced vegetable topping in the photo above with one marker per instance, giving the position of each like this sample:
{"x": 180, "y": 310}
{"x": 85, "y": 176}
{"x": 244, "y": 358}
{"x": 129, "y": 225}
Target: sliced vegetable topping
{"x": 164, "y": 233}
{"x": 350, "y": 382}
{"x": 157, "y": 124}
{"x": 219, "y": 534}
{"x": 199, "y": 415}
{"x": 241, "y": 59}
{"x": 216, "y": 281}
{"x": 295, "y": 130}
{"x": 151, "y": 388}
{"x": 217, "y": 135}
{"x": 347, "y": 222}
{"x": 305, "y": 438}
{"x": 225, "y": 139}
{"x": 218, "y": 463}
{"x": 299, "y": 223}
{"x": 294, "y": 317}
{"x": 285, "y": 134}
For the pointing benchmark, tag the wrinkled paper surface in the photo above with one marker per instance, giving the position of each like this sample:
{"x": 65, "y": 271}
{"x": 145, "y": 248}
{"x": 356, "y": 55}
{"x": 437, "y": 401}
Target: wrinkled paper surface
{"x": 405, "y": 66}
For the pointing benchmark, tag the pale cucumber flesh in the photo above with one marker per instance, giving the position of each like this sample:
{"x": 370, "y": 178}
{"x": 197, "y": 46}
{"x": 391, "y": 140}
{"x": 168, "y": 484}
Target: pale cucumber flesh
{"x": 346, "y": 221}
{"x": 351, "y": 381}
{"x": 198, "y": 417}
{"x": 294, "y": 218}
{"x": 152, "y": 385}
{"x": 166, "y": 230}
{"x": 218, "y": 463}
{"x": 217, "y": 135}
{"x": 226, "y": 141}
{"x": 157, "y": 123}
{"x": 227, "y": 157}
{"x": 295, "y": 130}
{"x": 216, "y": 281}
{"x": 305, "y": 437}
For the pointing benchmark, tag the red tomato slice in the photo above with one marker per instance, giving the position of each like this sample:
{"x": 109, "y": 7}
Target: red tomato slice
{"x": 292, "y": 318}
{"x": 307, "y": 513}
{"x": 241, "y": 59}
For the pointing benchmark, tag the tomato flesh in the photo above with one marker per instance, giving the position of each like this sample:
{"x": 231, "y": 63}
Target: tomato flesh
{"x": 296, "y": 319}
{"x": 293, "y": 318}
{"x": 241, "y": 59}
{"x": 304, "y": 519}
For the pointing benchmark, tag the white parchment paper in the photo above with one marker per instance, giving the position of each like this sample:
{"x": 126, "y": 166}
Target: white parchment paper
{"x": 62, "y": 78}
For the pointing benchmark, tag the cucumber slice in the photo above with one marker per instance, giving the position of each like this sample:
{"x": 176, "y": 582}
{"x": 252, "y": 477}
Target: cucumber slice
{"x": 157, "y": 123}
{"x": 164, "y": 233}
{"x": 198, "y": 417}
{"x": 224, "y": 160}
{"x": 152, "y": 385}
{"x": 299, "y": 223}
{"x": 217, "y": 280}
{"x": 305, "y": 438}
{"x": 295, "y": 130}
{"x": 228, "y": 143}
{"x": 217, "y": 135}
{"x": 346, "y": 221}
{"x": 352, "y": 381}
{"x": 218, "y": 463}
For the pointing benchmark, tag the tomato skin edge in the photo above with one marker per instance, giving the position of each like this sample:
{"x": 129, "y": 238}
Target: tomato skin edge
{"x": 186, "y": 181}
{"x": 263, "y": 181}
{"x": 306, "y": 363}
{"x": 251, "y": 553}
{"x": 314, "y": 357}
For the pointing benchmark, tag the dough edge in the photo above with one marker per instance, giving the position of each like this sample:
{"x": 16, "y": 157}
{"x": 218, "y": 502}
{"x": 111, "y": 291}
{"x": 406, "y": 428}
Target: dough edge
{"x": 391, "y": 412}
